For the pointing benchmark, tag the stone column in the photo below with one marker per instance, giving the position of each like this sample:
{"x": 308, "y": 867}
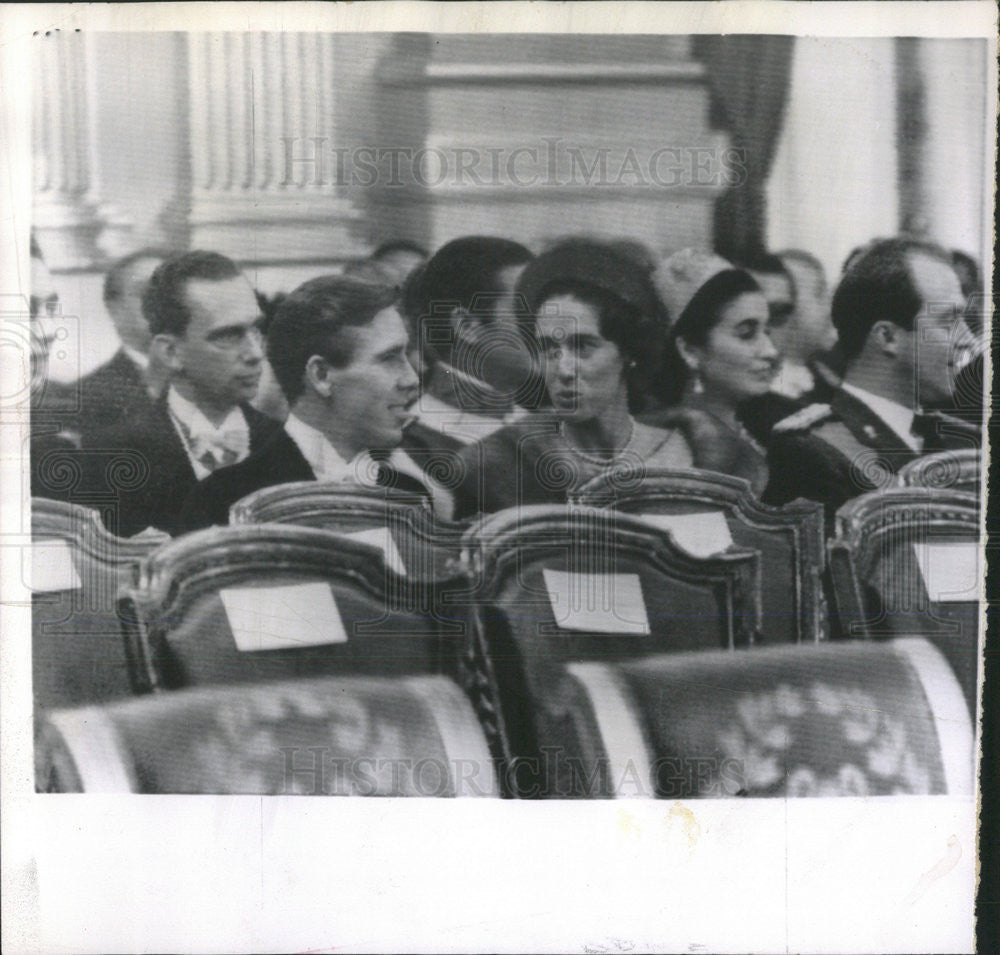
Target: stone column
{"x": 75, "y": 227}
{"x": 263, "y": 113}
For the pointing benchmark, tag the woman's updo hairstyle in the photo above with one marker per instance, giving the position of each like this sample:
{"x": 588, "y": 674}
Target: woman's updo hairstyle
{"x": 630, "y": 312}
{"x": 695, "y": 286}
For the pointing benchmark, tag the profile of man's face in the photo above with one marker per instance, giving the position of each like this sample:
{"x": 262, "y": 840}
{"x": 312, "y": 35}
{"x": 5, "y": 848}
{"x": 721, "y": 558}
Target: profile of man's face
{"x": 221, "y": 352}
{"x": 371, "y": 397}
{"x": 780, "y": 297}
{"x": 493, "y": 348}
{"x": 811, "y": 328}
{"x": 941, "y": 339}
{"x": 44, "y": 306}
{"x": 126, "y": 311}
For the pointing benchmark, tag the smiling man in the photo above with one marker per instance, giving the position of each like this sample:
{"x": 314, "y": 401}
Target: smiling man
{"x": 338, "y": 348}
{"x": 899, "y": 314}
{"x": 206, "y": 328}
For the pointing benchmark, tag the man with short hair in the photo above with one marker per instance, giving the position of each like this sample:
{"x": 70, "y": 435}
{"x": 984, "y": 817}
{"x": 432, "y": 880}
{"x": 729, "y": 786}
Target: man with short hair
{"x": 479, "y": 370}
{"x": 398, "y": 258}
{"x": 54, "y": 435}
{"x": 205, "y": 323}
{"x": 898, "y": 311}
{"x": 810, "y": 332}
{"x": 128, "y": 383}
{"x": 337, "y": 346}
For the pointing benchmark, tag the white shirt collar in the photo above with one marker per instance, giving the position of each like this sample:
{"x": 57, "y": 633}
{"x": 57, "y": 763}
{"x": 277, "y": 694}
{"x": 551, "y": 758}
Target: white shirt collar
{"x": 198, "y": 434}
{"x": 898, "y": 417}
{"x": 138, "y": 357}
{"x": 328, "y": 465}
{"x": 793, "y": 380}
{"x": 324, "y": 459}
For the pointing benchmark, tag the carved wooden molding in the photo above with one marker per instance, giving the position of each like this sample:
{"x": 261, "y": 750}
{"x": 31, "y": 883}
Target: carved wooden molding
{"x": 863, "y": 525}
{"x": 203, "y": 562}
{"x": 960, "y": 470}
{"x": 862, "y": 520}
{"x": 309, "y": 503}
{"x": 495, "y": 543}
{"x": 82, "y": 527}
{"x": 343, "y": 508}
{"x": 644, "y": 490}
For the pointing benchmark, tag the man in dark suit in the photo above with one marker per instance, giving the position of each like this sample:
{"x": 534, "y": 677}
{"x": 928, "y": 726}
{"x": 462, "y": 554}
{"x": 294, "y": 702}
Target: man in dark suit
{"x": 206, "y": 327}
{"x": 899, "y": 316}
{"x": 129, "y": 383}
{"x": 338, "y": 347}
{"x": 54, "y": 438}
{"x": 478, "y": 371}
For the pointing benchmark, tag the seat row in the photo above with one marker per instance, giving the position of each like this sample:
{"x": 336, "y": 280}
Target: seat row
{"x": 558, "y": 624}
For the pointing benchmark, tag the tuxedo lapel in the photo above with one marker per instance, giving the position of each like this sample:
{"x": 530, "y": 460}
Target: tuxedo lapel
{"x": 163, "y": 439}
{"x": 279, "y": 461}
{"x": 262, "y": 428}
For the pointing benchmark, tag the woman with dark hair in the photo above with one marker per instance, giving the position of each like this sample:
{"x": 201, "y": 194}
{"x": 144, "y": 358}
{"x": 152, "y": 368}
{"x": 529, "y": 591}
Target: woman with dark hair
{"x": 596, "y": 328}
{"x": 719, "y": 355}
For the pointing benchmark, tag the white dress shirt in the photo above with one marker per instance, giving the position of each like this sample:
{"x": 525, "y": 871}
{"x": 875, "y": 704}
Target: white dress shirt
{"x": 229, "y": 443}
{"x": 324, "y": 459}
{"x": 793, "y": 381}
{"x": 328, "y": 464}
{"x": 898, "y": 417}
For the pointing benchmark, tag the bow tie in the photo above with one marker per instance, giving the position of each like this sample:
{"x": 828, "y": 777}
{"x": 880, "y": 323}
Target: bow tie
{"x": 219, "y": 449}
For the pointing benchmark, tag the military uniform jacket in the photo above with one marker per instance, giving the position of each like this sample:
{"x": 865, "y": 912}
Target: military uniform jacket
{"x": 834, "y": 452}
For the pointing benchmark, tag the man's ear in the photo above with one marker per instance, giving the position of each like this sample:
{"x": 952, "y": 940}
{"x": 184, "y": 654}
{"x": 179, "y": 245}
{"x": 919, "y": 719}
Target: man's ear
{"x": 164, "y": 350}
{"x": 319, "y": 376}
{"x": 888, "y": 337}
{"x": 466, "y": 326}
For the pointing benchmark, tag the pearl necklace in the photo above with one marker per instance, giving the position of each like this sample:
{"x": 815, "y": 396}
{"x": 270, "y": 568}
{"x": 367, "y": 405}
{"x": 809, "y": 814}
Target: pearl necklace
{"x": 589, "y": 456}
{"x": 740, "y": 431}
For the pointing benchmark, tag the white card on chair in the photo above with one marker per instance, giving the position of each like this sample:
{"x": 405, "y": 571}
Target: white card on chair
{"x": 52, "y": 567}
{"x": 701, "y": 534}
{"x": 950, "y": 571}
{"x": 381, "y": 538}
{"x": 282, "y": 618}
{"x": 603, "y": 603}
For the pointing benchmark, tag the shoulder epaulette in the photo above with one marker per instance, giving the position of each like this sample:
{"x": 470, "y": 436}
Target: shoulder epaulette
{"x": 805, "y": 418}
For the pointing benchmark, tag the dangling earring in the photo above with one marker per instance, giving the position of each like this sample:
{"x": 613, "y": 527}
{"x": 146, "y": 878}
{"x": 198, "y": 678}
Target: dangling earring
{"x": 697, "y": 387}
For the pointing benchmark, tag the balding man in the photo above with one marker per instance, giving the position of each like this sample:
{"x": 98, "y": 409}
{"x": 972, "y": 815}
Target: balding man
{"x": 206, "y": 329}
{"x": 899, "y": 314}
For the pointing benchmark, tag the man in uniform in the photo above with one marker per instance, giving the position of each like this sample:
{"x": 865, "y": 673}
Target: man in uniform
{"x": 899, "y": 316}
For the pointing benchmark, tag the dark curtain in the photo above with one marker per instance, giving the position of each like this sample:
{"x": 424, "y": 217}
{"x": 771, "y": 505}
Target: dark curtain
{"x": 749, "y": 80}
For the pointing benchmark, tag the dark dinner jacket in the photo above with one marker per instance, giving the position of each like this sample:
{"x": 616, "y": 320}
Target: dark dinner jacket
{"x": 143, "y": 468}
{"x": 278, "y": 461}
{"x": 112, "y": 394}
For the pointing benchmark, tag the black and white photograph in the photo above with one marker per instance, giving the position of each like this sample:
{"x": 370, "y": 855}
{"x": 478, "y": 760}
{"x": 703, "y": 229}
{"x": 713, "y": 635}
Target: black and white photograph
{"x": 580, "y": 409}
